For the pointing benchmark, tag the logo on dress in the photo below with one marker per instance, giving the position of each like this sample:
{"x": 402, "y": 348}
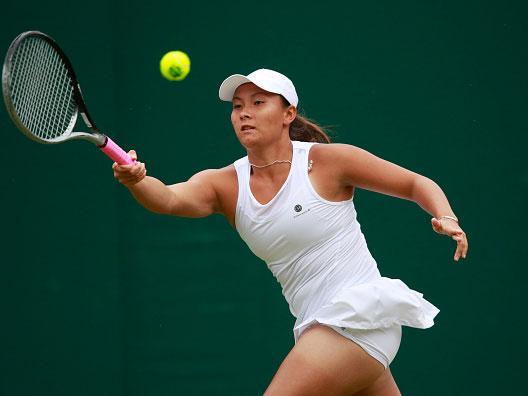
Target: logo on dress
{"x": 299, "y": 211}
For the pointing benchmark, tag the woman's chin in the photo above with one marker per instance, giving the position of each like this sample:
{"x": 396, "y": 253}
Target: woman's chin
{"x": 249, "y": 139}
{"x": 253, "y": 139}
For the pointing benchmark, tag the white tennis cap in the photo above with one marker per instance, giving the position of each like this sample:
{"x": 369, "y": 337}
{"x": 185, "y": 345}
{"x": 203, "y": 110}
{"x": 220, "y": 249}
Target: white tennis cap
{"x": 266, "y": 79}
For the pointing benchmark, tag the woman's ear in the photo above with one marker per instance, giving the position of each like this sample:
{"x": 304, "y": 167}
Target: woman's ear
{"x": 291, "y": 113}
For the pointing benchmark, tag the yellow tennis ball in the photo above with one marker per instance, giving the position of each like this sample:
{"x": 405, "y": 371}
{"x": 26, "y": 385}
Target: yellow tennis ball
{"x": 175, "y": 65}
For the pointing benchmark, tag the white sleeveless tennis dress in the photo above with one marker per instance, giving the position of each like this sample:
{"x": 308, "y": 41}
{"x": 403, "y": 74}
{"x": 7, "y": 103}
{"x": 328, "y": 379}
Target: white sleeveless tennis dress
{"x": 317, "y": 252}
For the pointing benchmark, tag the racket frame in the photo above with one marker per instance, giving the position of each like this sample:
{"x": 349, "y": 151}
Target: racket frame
{"x": 95, "y": 136}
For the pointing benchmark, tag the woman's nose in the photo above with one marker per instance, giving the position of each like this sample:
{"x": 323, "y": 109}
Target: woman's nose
{"x": 244, "y": 115}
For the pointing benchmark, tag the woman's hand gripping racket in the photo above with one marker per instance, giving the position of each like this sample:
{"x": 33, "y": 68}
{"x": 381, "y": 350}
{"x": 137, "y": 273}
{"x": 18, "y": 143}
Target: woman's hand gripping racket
{"x": 43, "y": 97}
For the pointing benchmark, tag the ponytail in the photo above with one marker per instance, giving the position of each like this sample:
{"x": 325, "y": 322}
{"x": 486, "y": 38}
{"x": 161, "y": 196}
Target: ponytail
{"x": 304, "y": 130}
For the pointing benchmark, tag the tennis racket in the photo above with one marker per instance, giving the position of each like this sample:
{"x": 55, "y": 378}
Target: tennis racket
{"x": 43, "y": 97}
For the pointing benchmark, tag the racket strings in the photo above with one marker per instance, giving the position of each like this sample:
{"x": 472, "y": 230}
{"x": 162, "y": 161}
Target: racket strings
{"x": 47, "y": 100}
{"x": 18, "y": 85}
{"x": 53, "y": 80}
{"x": 36, "y": 98}
{"x": 41, "y": 89}
{"x": 54, "y": 77}
{"x": 23, "y": 87}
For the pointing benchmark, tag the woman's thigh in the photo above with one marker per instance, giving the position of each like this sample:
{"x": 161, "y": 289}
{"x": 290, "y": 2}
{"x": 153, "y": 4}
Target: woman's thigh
{"x": 324, "y": 363}
{"x": 383, "y": 386}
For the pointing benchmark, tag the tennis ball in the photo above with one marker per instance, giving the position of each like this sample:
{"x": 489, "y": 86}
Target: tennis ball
{"x": 175, "y": 65}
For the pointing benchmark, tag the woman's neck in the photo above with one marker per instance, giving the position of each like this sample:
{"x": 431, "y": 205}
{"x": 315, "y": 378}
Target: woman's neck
{"x": 270, "y": 157}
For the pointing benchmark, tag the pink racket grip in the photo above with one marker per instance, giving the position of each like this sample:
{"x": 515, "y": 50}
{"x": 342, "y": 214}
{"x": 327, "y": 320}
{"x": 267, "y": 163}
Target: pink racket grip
{"x": 116, "y": 153}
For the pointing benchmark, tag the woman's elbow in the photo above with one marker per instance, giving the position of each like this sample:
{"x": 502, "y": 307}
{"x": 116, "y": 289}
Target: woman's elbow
{"x": 421, "y": 185}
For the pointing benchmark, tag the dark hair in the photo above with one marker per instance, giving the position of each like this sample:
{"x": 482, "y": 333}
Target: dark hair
{"x": 305, "y": 130}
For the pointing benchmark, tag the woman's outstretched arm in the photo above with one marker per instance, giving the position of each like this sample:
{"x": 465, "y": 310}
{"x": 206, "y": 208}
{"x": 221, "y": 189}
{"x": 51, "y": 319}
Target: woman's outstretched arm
{"x": 193, "y": 198}
{"x": 357, "y": 167}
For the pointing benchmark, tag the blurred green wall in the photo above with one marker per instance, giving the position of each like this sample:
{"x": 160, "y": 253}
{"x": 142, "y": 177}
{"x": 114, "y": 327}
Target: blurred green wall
{"x": 99, "y": 296}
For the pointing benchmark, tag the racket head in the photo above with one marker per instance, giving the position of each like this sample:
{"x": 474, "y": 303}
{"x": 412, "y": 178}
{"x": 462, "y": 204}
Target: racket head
{"x": 40, "y": 89}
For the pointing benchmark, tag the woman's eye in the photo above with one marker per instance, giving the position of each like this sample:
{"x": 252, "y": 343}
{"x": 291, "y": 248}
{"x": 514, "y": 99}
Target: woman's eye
{"x": 237, "y": 106}
{"x": 257, "y": 102}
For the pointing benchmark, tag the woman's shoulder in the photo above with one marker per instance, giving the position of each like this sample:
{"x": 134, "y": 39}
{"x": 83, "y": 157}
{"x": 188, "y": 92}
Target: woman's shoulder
{"x": 216, "y": 176}
{"x": 223, "y": 180}
{"x": 340, "y": 157}
{"x": 219, "y": 173}
{"x": 331, "y": 151}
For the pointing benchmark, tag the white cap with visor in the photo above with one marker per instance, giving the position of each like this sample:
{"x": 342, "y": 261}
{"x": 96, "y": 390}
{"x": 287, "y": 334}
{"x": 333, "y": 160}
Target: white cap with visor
{"x": 266, "y": 79}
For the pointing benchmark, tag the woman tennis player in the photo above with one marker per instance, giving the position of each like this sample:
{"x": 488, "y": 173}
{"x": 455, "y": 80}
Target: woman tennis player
{"x": 291, "y": 200}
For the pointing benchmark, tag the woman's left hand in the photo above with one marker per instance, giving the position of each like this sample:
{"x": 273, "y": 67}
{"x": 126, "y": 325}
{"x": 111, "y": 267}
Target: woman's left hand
{"x": 451, "y": 228}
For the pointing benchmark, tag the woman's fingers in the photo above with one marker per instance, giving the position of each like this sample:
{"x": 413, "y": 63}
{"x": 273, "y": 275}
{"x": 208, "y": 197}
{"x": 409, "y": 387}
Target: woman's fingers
{"x": 459, "y": 253}
{"x": 130, "y": 174}
{"x": 452, "y": 229}
{"x": 462, "y": 245}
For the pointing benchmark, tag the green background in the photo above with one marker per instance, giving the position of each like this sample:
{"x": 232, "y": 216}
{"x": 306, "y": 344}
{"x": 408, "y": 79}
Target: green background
{"x": 99, "y": 296}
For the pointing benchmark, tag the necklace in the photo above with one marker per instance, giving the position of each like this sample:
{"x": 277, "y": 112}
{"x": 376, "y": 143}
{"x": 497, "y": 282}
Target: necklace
{"x": 271, "y": 163}
{"x": 310, "y": 164}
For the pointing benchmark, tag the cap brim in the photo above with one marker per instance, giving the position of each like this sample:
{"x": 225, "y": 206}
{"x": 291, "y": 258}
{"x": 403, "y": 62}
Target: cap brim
{"x": 229, "y": 86}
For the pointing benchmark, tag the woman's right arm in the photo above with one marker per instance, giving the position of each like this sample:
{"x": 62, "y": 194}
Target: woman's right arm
{"x": 194, "y": 198}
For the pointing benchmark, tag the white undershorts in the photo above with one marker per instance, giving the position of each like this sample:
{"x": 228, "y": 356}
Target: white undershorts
{"x": 382, "y": 344}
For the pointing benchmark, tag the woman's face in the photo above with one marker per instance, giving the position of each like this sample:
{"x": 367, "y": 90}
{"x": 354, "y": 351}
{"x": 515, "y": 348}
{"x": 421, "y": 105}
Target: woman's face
{"x": 259, "y": 116}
